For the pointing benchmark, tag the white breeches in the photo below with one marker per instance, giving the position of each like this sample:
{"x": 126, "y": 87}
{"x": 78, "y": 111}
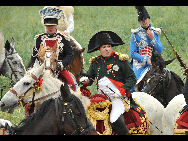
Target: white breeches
{"x": 118, "y": 107}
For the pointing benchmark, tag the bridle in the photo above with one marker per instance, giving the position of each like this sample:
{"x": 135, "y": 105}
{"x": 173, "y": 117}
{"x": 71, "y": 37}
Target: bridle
{"x": 164, "y": 83}
{"x": 36, "y": 87}
{"x": 66, "y": 108}
{"x": 8, "y": 61}
{"x": 47, "y": 55}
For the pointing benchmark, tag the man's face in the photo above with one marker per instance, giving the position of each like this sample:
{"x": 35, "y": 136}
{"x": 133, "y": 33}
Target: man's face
{"x": 106, "y": 50}
{"x": 145, "y": 23}
{"x": 51, "y": 29}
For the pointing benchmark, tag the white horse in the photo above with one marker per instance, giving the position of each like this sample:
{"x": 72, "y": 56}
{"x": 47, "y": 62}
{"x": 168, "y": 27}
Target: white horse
{"x": 154, "y": 110}
{"x": 171, "y": 113}
{"x": 24, "y": 89}
{"x": 11, "y": 64}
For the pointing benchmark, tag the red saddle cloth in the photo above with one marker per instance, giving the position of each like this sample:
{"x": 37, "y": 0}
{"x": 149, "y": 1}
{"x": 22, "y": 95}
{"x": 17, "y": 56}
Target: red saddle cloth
{"x": 181, "y": 124}
{"x": 133, "y": 121}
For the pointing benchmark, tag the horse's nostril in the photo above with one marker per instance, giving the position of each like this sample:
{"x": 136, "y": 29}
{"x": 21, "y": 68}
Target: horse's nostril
{"x": 2, "y": 104}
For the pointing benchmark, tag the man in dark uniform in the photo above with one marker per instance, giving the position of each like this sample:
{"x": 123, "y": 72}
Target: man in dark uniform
{"x": 114, "y": 75}
{"x": 64, "y": 51}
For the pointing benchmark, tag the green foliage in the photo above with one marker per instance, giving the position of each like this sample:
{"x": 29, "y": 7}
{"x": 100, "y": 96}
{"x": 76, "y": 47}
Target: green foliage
{"x": 23, "y": 23}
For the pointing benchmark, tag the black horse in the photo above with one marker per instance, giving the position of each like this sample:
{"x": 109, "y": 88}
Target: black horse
{"x": 64, "y": 115}
{"x": 161, "y": 83}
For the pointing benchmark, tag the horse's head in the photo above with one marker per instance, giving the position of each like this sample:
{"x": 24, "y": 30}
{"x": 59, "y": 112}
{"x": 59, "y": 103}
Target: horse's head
{"x": 23, "y": 89}
{"x": 156, "y": 58}
{"x": 48, "y": 56}
{"x": 12, "y": 66}
{"x": 157, "y": 81}
{"x": 75, "y": 113}
{"x": 76, "y": 65}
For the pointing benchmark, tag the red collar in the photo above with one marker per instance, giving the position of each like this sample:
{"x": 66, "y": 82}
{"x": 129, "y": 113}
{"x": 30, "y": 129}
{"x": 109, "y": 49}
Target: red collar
{"x": 107, "y": 57}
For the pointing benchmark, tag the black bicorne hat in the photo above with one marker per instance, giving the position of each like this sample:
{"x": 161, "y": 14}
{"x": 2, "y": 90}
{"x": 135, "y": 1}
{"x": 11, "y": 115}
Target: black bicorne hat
{"x": 142, "y": 13}
{"x": 103, "y": 38}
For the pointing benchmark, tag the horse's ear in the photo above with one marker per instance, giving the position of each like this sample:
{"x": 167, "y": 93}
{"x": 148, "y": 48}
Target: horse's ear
{"x": 82, "y": 50}
{"x": 13, "y": 43}
{"x": 7, "y": 45}
{"x": 41, "y": 47}
{"x": 55, "y": 47}
{"x": 65, "y": 91}
{"x": 153, "y": 58}
{"x": 161, "y": 66}
{"x": 36, "y": 64}
{"x": 169, "y": 61}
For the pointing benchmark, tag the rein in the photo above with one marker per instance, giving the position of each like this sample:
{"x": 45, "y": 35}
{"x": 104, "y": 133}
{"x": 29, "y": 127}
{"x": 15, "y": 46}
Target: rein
{"x": 49, "y": 56}
{"x": 67, "y": 111}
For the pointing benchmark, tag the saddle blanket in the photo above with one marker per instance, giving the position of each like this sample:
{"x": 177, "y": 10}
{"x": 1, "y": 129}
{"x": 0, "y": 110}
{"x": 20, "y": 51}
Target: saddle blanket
{"x": 136, "y": 119}
{"x": 181, "y": 125}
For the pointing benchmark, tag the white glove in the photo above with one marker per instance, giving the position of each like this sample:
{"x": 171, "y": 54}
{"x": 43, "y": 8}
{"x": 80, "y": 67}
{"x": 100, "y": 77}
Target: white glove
{"x": 84, "y": 80}
{"x": 117, "y": 94}
{"x": 2, "y": 122}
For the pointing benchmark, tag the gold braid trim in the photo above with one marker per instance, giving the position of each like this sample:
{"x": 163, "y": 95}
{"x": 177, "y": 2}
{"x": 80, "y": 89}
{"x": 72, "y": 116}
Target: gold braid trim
{"x": 94, "y": 115}
{"x": 126, "y": 102}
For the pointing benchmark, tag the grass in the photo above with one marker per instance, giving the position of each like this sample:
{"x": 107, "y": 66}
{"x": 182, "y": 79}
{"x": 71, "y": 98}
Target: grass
{"x": 23, "y": 23}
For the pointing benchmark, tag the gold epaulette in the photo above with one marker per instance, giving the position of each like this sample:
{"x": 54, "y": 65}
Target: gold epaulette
{"x": 36, "y": 36}
{"x": 92, "y": 59}
{"x": 122, "y": 57}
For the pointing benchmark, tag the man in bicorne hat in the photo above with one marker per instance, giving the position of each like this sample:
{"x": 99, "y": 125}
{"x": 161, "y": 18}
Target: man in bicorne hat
{"x": 64, "y": 50}
{"x": 144, "y": 41}
{"x": 114, "y": 75}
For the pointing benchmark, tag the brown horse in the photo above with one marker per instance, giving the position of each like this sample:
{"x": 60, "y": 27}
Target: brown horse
{"x": 48, "y": 56}
{"x": 64, "y": 115}
{"x": 76, "y": 66}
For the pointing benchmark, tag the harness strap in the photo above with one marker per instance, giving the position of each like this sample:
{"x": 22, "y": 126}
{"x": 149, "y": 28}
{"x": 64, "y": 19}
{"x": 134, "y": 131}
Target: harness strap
{"x": 57, "y": 114}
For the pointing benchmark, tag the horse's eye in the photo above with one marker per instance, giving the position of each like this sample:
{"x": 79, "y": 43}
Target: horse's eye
{"x": 26, "y": 83}
{"x": 14, "y": 62}
{"x": 78, "y": 114}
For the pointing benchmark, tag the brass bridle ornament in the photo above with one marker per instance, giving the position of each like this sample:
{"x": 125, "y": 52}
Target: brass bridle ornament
{"x": 36, "y": 87}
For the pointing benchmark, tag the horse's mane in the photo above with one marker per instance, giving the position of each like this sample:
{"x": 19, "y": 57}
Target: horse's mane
{"x": 76, "y": 52}
{"x": 178, "y": 80}
{"x": 39, "y": 114}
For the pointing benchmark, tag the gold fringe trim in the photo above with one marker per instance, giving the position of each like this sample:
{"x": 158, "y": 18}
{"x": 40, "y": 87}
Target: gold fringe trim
{"x": 92, "y": 59}
{"x": 122, "y": 57}
{"x": 94, "y": 115}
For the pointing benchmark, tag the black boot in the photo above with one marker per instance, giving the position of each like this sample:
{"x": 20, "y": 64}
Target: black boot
{"x": 120, "y": 127}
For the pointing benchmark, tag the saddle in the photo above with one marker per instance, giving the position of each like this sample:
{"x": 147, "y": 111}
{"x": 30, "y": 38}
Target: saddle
{"x": 136, "y": 119}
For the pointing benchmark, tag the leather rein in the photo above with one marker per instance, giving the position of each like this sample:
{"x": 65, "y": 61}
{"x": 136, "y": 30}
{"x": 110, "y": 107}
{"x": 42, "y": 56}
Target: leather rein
{"x": 36, "y": 87}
